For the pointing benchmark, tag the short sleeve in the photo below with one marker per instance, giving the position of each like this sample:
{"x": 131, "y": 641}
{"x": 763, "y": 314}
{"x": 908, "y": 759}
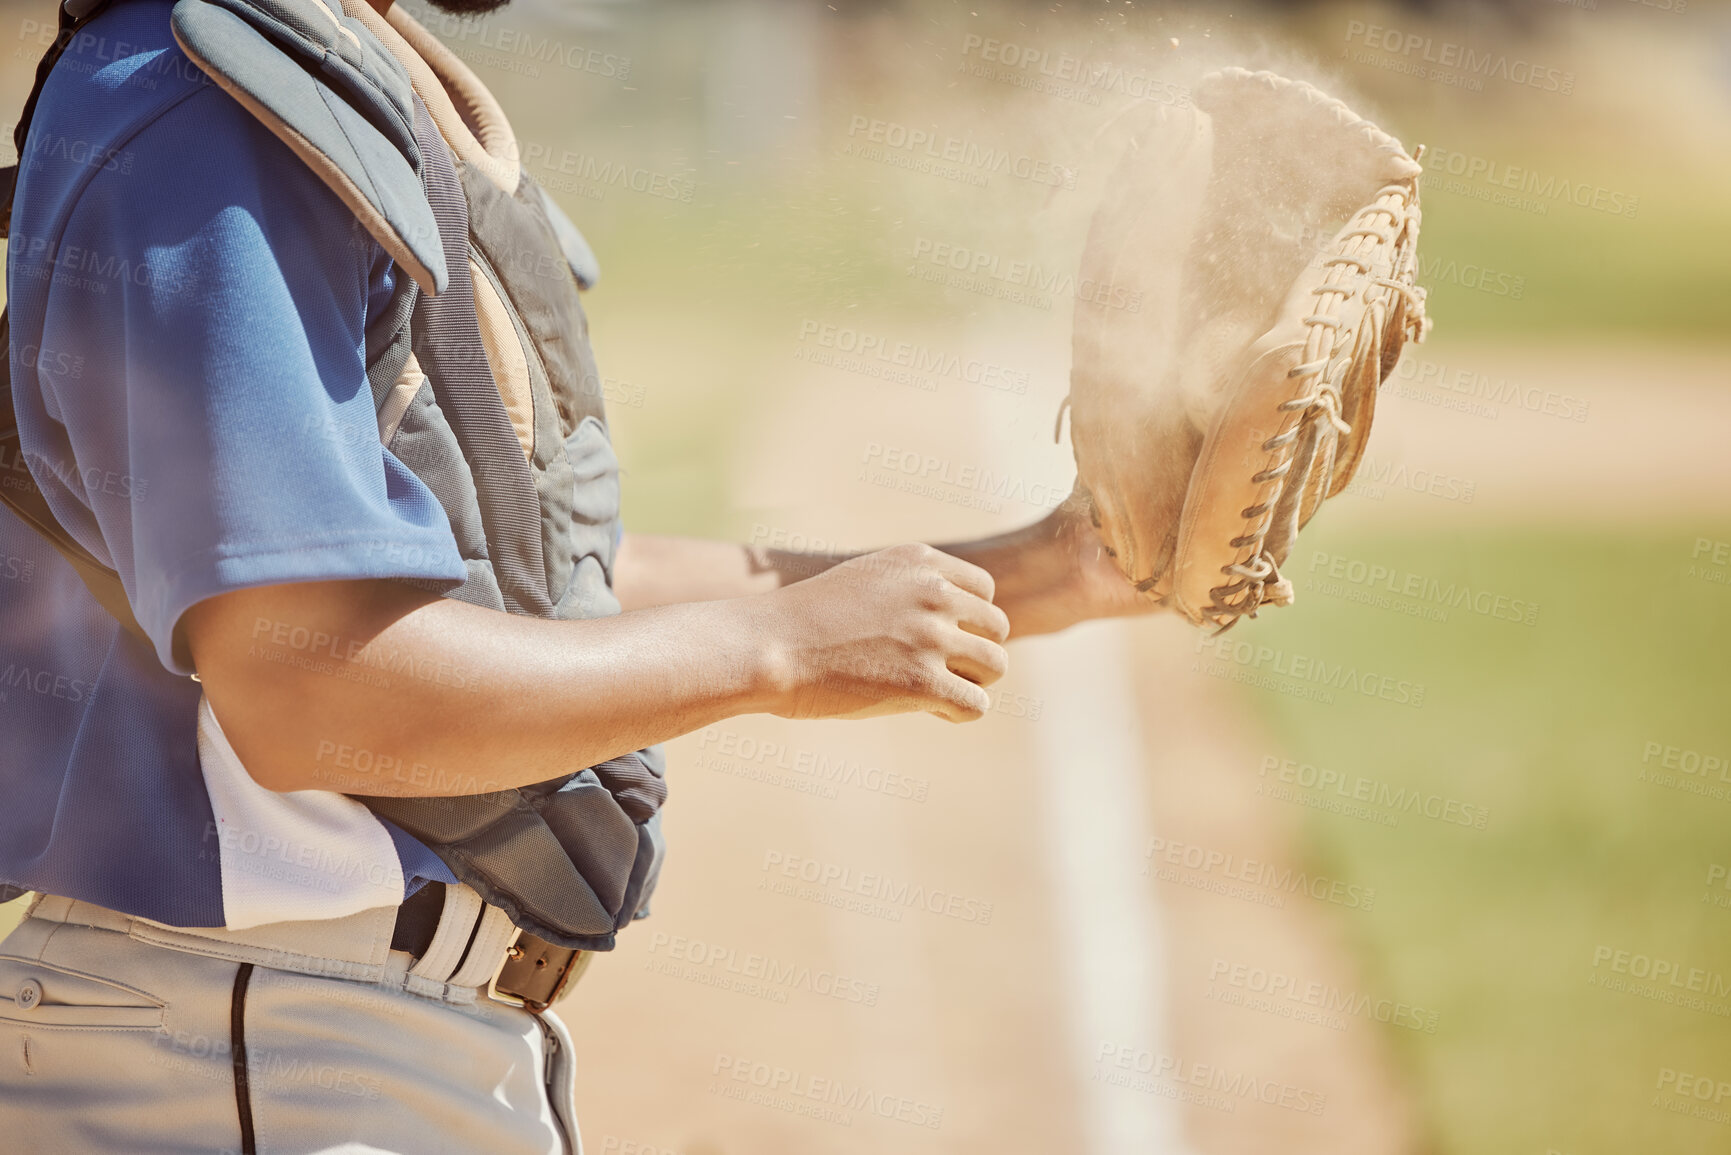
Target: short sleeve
{"x": 203, "y": 403}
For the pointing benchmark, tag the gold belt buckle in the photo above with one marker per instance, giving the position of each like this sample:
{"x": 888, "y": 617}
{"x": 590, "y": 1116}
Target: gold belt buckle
{"x": 533, "y": 972}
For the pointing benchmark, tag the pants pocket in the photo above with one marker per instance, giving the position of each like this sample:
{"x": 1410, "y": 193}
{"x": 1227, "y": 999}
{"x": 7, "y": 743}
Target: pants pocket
{"x": 39, "y": 994}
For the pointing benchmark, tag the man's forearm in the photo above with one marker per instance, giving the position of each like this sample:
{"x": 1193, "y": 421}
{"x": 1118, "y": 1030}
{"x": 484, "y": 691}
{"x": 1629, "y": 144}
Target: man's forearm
{"x": 396, "y": 692}
{"x": 657, "y": 570}
{"x": 374, "y": 687}
{"x": 1049, "y": 575}
{"x": 1038, "y": 573}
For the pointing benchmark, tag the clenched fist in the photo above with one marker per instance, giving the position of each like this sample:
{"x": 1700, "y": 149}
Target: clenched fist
{"x": 903, "y": 629}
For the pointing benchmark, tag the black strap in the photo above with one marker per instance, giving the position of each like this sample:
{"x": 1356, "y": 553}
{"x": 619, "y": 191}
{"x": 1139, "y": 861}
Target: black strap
{"x": 237, "y": 1052}
{"x": 418, "y": 919}
{"x": 20, "y": 494}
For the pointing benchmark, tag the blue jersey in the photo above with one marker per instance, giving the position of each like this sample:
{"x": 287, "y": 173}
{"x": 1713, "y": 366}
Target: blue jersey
{"x": 188, "y": 307}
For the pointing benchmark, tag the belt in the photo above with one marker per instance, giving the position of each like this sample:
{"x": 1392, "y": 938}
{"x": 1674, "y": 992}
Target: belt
{"x": 530, "y": 972}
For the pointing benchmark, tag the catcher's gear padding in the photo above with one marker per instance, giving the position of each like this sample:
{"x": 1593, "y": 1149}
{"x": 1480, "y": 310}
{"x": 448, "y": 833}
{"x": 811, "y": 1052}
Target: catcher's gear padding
{"x": 1270, "y": 235}
{"x": 531, "y": 493}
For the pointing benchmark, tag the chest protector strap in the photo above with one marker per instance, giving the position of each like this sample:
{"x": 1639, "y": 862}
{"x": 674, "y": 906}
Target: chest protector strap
{"x": 330, "y": 91}
{"x": 570, "y": 860}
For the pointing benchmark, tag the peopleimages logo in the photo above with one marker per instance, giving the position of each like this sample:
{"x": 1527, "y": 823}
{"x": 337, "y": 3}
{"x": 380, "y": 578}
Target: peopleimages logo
{"x": 1377, "y": 578}
{"x": 928, "y": 475}
{"x": 1376, "y": 476}
{"x": 1543, "y": 188}
{"x": 46, "y": 683}
{"x": 1311, "y": 670}
{"x": 1026, "y": 275}
{"x": 1691, "y": 1086}
{"x": 81, "y": 267}
{"x": 1370, "y": 791}
{"x": 919, "y": 359}
{"x": 1687, "y": 761}
{"x": 1266, "y": 875}
{"x": 715, "y": 965}
{"x": 40, "y": 148}
{"x": 1472, "y": 386}
{"x": 958, "y": 150}
{"x": 591, "y": 176}
{"x": 1327, "y": 998}
{"x": 516, "y": 50}
{"x": 1657, "y": 970}
{"x": 738, "y": 751}
{"x": 1117, "y": 1064}
{"x": 254, "y": 851}
{"x": 1710, "y": 561}
{"x": 51, "y": 362}
{"x": 1467, "y": 275}
{"x": 93, "y": 480}
{"x": 1063, "y": 75}
{"x": 792, "y": 1090}
{"x": 1454, "y": 61}
{"x": 350, "y": 654}
{"x": 894, "y": 895}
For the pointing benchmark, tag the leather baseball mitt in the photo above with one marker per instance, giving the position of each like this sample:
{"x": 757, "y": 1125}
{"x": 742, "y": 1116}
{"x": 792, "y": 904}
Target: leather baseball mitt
{"x": 1246, "y": 287}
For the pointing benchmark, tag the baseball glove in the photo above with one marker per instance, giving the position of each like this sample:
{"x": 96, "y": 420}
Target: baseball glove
{"x": 1246, "y": 287}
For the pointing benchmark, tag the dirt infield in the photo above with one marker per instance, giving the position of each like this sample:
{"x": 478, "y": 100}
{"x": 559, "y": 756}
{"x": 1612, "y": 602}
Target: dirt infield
{"x": 1002, "y": 1024}
{"x": 1578, "y": 436}
{"x": 1255, "y": 984}
{"x": 1261, "y": 980}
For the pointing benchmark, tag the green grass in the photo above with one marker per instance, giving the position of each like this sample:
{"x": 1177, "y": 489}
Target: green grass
{"x": 1662, "y": 272}
{"x": 1546, "y": 725}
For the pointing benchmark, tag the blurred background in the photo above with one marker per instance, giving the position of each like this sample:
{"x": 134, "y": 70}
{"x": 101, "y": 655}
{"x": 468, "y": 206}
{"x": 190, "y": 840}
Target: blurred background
{"x": 1172, "y": 894}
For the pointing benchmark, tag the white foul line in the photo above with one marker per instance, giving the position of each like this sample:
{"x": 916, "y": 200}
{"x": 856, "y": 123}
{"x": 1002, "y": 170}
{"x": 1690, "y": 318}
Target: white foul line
{"x": 1111, "y": 946}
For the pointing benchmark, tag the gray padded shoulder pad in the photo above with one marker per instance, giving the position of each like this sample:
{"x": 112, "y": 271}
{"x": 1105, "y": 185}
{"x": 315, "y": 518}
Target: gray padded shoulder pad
{"x": 329, "y": 90}
{"x": 572, "y": 243}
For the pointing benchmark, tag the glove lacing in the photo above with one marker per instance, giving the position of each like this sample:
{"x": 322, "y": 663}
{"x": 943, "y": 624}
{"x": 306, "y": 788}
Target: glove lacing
{"x": 1257, "y": 580}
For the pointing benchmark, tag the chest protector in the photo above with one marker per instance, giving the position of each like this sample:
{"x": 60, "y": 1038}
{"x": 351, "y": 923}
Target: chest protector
{"x": 486, "y": 388}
